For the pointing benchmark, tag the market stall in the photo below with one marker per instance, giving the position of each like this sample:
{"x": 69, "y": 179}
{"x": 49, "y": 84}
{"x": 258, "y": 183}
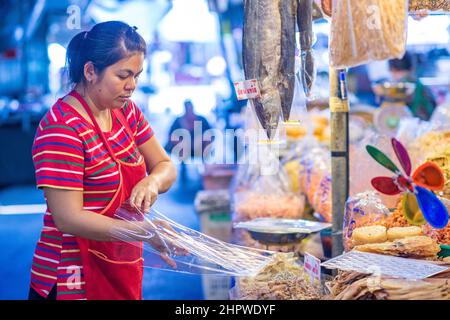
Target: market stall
{"x": 340, "y": 202}
{"x": 385, "y": 199}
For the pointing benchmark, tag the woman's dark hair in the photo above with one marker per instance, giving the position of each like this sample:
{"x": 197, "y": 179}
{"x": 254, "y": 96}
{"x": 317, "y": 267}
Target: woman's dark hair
{"x": 105, "y": 44}
{"x": 404, "y": 63}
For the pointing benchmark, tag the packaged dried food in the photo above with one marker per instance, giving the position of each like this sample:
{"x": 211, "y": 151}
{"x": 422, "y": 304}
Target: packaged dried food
{"x": 315, "y": 180}
{"x": 367, "y": 30}
{"x": 262, "y": 189}
{"x": 433, "y": 5}
{"x": 363, "y": 209}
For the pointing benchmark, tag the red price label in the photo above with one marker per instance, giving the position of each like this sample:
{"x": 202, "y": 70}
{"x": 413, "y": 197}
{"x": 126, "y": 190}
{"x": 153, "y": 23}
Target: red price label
{"x": 247, "y": 89}
{"x": 312, "y": 267}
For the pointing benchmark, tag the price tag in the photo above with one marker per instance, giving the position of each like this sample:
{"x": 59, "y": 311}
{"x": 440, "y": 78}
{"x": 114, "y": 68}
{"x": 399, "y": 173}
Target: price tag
{"x": 247, "y": 89}
{"x": 312, "y": 267}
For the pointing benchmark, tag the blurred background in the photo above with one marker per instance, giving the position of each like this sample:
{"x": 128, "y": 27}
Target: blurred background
{"x": 195, "y": 49}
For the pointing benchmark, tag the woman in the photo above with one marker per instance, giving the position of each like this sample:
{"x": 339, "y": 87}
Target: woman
{"x": 92, "y": 151}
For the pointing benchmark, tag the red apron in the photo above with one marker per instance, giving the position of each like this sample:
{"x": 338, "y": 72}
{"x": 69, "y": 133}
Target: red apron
{"x": 113, "y": 270}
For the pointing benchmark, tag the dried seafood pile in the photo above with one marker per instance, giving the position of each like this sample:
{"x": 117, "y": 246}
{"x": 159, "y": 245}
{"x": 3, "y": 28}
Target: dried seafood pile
{"x": 357, "y": 286}
{"x": 420, "y": 247}
{"x": 281, "y": 279}
{"x": 256, "y": 205}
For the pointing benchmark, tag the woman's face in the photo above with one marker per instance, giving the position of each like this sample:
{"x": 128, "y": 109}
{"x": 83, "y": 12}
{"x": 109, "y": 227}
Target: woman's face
{"x": 117, "y": 82}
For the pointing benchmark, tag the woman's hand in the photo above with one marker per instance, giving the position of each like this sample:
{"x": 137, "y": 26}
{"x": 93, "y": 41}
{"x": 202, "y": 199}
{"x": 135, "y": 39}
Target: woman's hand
{"x": 165, "y": 247}
{"x": 163, "y": 226}
{"x": 145, "y": 193}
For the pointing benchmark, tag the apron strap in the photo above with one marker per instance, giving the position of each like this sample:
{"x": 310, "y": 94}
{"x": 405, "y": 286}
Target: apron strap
{"x": 117, "y": 113}
{"x": 86, "y": 107}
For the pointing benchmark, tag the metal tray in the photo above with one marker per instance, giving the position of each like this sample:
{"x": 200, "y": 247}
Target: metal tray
{"x": 272, "y": 225}
{"x": 281, "y": 231}
{"x": 278, "y": 238}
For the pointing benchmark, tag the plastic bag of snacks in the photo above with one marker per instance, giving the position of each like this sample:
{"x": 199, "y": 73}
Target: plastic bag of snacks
{"x": 433, "y": 5}
{"x": 292, "y": 161}
{"x": 367, "y": 30}
{"x": 315, "y": 181}
{"x": 411, "y": 131}
{"x": 322, "y": 203}
{"x": 265, "y": 189}
{"x": 262, "y": 189}
{"x": 363, "y": 209}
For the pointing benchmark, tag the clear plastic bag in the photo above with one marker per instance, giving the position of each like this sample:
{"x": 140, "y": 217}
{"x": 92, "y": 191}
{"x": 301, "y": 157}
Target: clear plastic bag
{"x": 264, "y": 189}
{"x": 367, "y": 30}
{"x": 322, "y": 202}
{"x": 292, "y": 160}
{"x": 410, "y": 129}
{"x": 308, "y": 70}
{"x": 363, "y": 209}
{"x": 170, "y": 246}
{"x": 296, "y": 128}
{"x": 440, "y": 119}
{"x": 315, "y": 181}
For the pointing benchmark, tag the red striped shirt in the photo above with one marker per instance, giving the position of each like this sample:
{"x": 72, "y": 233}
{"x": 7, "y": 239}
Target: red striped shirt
{"x": 69, "y": 154}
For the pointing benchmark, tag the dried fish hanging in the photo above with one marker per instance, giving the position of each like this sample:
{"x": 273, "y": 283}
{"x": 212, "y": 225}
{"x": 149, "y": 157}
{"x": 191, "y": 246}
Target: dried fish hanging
{"x": 286, "y": 82}
{"x": 304, "y": 22}
{"x": 299, "y": 88}
{"x": 262, "y": 59}
{"x": 269, "y": 46}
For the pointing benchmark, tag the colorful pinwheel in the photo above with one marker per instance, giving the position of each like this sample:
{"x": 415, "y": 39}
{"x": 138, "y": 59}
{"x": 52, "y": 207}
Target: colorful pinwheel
{"x": 418, "y": 201}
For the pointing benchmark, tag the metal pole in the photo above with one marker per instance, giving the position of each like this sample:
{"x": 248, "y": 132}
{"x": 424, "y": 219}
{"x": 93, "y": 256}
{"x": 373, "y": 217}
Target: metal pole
{"x": 339, "y": 108}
